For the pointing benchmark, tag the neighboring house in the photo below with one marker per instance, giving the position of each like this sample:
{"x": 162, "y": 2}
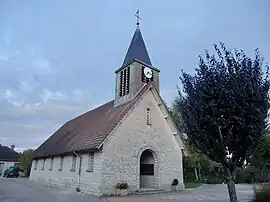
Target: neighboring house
{"x": 8, "y": 157}
{"x": 130, "y": 139}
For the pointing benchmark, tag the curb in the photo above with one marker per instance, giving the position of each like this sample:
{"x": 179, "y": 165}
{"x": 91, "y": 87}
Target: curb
{"x": 200, "y": 187}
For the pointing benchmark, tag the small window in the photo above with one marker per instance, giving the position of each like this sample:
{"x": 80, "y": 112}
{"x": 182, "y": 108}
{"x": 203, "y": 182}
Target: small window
{"x": 43, "y": 164}
{"x": 36, "y": 164}
{"x": 148, "y": 116}
{"x": 51, "y": 164}
{"x": 61, "y": 163}
{"x": 73, "y": 166}
{"x": 90, "y": 162}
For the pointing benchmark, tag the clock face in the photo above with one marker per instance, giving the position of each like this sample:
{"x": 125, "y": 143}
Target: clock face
{"x": 148, "y": 72}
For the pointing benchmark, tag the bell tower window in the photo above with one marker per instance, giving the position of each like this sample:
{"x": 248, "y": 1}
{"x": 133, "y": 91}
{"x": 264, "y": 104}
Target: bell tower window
{"x": 120, "y": 83}
{"x": 124, "y": 81}
{"x": 127, "y": 80}
{"x": 142, "y": 75}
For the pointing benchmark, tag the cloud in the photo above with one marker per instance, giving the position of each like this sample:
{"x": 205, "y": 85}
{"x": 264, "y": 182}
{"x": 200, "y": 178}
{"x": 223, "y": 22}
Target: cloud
{"x": 12, "y": 99}
{"x": 42, "y": 66}
{"x": 25, "y": 87}
{"x": 4, "y": 57}
{"x": 48, "y": 95}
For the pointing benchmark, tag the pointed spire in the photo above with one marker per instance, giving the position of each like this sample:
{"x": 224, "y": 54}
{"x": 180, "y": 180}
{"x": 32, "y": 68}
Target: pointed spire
{"x": 137, "y": 49}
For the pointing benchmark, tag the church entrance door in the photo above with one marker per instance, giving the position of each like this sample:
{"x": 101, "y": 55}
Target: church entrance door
{"x": 147, "y": 167}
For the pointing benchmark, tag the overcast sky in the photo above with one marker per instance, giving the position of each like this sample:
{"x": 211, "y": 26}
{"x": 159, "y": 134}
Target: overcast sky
{"x": 57, "y": 58}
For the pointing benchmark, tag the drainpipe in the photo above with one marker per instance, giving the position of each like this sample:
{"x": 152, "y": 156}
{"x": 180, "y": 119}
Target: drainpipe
{"x": 79, "y": 173}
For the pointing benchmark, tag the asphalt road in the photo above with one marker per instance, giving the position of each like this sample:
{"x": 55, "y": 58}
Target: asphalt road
{"x": 22, "y": 190}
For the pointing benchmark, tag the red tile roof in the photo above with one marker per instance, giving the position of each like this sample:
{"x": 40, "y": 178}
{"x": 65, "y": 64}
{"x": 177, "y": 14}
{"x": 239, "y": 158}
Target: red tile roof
{"x": 87, "y": 131}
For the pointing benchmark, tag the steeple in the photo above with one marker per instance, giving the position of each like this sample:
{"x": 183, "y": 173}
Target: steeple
{"x": 135, "y": 71}
{"x": 137, "y": 49}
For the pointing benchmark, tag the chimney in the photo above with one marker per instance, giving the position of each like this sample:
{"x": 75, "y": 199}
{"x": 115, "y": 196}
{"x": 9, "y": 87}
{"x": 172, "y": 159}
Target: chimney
{"x": 12, "y": 147}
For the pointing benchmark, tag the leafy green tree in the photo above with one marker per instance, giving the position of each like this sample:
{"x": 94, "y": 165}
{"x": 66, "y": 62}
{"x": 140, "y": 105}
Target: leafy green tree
{"x": 260, "y": 157}
{"x": 225, "y": 108}
{"x": 25, "y": 160}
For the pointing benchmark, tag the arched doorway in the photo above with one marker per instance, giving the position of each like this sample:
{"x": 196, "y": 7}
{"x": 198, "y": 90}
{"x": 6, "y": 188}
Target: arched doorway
{"x": 147, "y": 169}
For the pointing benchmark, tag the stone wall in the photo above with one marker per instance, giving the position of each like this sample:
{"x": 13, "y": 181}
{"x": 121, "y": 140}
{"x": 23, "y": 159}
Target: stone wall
{"x": 89, "y": 183}
{"x": 122, "y": 150}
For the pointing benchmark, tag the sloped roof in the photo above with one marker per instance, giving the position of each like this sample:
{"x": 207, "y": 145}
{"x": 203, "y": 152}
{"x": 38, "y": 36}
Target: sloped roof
{"x": 137, "y": 50}
{"x": 87, "y": 131}
{"x": 7, "y": 154}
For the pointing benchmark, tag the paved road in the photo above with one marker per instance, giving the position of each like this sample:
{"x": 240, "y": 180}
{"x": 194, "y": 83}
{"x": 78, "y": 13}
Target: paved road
{"x": 22, "y": 190}
{"x": 208, "y": 193}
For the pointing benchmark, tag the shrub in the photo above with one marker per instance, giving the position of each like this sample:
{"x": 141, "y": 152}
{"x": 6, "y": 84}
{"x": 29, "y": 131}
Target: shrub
{"x": 261, "y": 195}
{"x": 122, "y": 185}
{"x": 243, "y": 177}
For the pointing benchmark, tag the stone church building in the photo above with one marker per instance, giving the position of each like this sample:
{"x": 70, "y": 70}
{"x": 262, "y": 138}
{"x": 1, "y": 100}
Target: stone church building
{"x": 130, "y": 139}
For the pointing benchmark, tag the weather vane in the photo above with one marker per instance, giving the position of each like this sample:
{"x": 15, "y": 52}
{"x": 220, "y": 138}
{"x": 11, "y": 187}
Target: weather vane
{"x": 138, "y": 17}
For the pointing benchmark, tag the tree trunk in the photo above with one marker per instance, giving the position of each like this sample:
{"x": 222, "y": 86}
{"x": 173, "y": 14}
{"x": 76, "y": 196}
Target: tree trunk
{"x": 230, "y": 175}
{"x": 232, "y": 190}
{"x": 196, "y": 173}
{"x": 262, "y": 173}
{"x": 200, "y": 176}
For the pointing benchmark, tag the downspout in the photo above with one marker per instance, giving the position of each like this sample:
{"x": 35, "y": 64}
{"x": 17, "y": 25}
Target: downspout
{"x": 79, "y": 173}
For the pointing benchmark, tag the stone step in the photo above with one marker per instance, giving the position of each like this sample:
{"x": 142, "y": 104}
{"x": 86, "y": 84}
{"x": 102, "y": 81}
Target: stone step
{"x": 150, "y": 191}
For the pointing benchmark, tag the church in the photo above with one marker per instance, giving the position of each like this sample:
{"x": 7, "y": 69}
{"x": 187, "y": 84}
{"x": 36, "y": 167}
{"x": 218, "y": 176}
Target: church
{"x": 130, "y": 141}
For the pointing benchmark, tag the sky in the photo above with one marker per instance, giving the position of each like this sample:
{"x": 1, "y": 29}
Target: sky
{"x": 57, "y": 58}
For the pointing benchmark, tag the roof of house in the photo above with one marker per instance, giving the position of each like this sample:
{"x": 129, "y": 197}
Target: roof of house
{"x": 137, "y": 50}
{"x": 7, "y": 154}
{"x": 87, "y": 131}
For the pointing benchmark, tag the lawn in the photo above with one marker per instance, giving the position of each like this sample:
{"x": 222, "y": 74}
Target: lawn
{"x": 189, "y": 185}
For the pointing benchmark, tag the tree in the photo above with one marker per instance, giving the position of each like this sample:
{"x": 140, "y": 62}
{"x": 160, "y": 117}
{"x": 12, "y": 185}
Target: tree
{"x": 197, "y": 163}
{"x": 260, "y": 157}
{"x": 225, "y": 108}
{"x": 25, "y": 160}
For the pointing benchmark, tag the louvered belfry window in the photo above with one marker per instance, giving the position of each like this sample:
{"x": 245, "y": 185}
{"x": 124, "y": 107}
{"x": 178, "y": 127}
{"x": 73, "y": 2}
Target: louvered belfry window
{"x": 120, "y": 83}
{"x": 127, "y": 80}
{"x": 142, "y": 75}
{"x": 124, "y": 82}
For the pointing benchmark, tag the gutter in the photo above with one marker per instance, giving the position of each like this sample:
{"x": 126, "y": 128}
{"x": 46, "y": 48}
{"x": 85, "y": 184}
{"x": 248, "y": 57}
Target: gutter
{"x": 79, "y": 173}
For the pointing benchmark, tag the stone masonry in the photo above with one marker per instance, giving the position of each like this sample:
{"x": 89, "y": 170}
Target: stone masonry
{"x": 122, "y": 150}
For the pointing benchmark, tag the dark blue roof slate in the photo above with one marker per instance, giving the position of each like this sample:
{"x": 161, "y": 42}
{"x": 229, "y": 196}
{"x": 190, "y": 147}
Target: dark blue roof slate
{"x": 137, "y": 49}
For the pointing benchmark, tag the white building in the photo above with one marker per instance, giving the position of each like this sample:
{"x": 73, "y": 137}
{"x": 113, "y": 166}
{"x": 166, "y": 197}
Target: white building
{"x": 8, "y": 158}
{"x": 130, "y": 139}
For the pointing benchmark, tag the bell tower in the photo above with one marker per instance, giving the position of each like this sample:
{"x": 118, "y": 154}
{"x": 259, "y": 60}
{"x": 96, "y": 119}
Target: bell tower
{"x": 135, "y": 71}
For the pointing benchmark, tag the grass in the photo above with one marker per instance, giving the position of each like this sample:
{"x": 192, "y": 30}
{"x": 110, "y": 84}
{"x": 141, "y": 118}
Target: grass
{"x": 191, "y": 185}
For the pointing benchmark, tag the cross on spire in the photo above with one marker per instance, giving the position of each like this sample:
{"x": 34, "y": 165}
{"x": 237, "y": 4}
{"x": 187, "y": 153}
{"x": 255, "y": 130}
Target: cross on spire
{"x": 137, "y": 15}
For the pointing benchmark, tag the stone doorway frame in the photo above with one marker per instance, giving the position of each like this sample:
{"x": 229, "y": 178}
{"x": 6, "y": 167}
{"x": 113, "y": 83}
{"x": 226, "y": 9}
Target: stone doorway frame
{"x": 156, "y": 167}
